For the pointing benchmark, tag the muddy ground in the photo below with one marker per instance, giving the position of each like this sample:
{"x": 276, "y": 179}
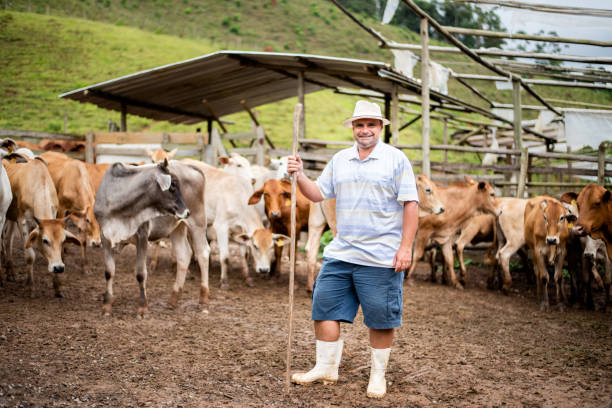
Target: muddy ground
{"x": 456, "y": 348}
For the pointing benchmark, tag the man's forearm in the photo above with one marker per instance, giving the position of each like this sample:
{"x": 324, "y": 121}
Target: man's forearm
{"x": 309, "y": 188}
{"x": 410, "y": 223}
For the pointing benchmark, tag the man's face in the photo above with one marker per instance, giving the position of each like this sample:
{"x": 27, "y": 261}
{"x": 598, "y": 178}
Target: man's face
{"x": 366, "y": 132}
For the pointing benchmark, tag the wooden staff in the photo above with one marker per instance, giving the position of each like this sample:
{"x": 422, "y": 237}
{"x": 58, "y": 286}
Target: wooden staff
{"x": 297, "y": 113}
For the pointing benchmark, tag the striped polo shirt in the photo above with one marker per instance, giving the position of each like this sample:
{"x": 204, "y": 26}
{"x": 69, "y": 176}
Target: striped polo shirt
{"x": 370, "y": 196}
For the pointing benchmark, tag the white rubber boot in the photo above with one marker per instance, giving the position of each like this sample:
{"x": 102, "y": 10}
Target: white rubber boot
{"x": 326, "y": 368}
{"x": 377, "y": 388}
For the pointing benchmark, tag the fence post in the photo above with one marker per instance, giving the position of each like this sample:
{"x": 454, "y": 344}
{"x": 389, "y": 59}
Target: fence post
{"x": 601, "y": 164}
{"x": 202, "y": 144}
{"x": 89, "y": 147}
{"x": 520, "y": 190}
{"x": 426, "y": 167}
{"x": 259, "y": 146}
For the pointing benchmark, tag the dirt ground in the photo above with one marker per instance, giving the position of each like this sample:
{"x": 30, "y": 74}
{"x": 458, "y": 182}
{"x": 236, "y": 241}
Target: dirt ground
{"x": 456, "y": 348}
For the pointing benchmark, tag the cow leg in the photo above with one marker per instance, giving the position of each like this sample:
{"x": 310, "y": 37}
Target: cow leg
{"x": 312, "y": 250}
{"x": 541, "y": 279}
{"x": 201, "y": 250}
{"x": 504, "y": 256}
{"x": 449, "y": 260}
{"x": 223, "y": 242}
{"x": 7, "y": 248}
{"x": 84, "y": 263}
{"x": 433, "y": 267}
{"x": 109, "y": 275}
{"x": 182, "y": 252}
{"x": 275, "y": 268}
{"x": 586, "y": 292}
{"x": 29, "y": 255}
{"x": 154, "y": 256}
{"x": 141, "y": 267}
{"x": 417, "y": 254}
{"x": 245, "y": 266}
{"x": 559, "y": 282}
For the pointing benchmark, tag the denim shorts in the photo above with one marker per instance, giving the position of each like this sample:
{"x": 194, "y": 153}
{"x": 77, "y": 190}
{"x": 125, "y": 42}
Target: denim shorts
{"x": 342, "y": 286}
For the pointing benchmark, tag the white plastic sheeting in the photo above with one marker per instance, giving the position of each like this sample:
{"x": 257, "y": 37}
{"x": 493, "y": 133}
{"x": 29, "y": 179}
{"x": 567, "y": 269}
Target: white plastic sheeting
{"x": 389, "y": 11}
{"x": 439, "y": 77}
{"x": 405, "y": 62}
{"x": 584, "y": 127}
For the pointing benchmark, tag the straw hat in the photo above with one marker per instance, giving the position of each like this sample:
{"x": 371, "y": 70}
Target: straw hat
{"x": 366, "y": 110}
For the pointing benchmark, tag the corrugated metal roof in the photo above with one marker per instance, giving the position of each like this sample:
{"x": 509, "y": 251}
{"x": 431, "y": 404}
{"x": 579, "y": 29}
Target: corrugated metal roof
{"x": 175, "y": 92}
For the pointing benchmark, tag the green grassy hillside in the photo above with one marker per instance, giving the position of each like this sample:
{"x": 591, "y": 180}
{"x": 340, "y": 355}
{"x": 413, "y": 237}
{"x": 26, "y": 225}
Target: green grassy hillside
{"x": 47, "y": 48}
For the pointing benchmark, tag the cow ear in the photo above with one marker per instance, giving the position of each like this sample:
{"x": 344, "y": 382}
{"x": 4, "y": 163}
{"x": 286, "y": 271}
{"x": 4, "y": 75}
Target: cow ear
{"x": 164, "y": 165}
{"x": 606, "y": 197}
{"x": 223, "y": 160}
{"x": 71, "y": 238}
{"x": 280, "y": 239}
{"x": 481, "y": 186}
{"x": 164, "y": 181}
{"x": 543, "y": 204}
{"x": 32, "y": 238}
{"x": 242, "y": 238}
{"x": 254, "y": 199}
{"x": 469, "y": 180}
{"x": 172, "y": 153}
{"x": 569, "y": 197}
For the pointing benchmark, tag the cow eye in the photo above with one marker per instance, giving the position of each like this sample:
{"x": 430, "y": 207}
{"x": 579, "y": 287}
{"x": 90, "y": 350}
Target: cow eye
{"x": 240, "y": 165}
{"x": 428, "y": 190}
{"x": 88, "y": 220}
{"x": 545, "y": 218}
{"x": 255, "y": 246}
{"x": 46, "y": 241}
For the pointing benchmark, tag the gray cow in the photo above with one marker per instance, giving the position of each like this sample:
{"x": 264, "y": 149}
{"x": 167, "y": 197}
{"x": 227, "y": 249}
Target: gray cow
{"x": 128, "y": 199}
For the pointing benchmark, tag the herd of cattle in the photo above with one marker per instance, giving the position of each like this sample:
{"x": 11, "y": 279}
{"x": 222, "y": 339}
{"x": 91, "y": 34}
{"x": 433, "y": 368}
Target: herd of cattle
{"x": 192, "y": 203}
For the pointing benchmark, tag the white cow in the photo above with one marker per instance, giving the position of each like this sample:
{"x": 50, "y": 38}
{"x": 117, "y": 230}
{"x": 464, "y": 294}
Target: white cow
{"x": 230, "y": 216}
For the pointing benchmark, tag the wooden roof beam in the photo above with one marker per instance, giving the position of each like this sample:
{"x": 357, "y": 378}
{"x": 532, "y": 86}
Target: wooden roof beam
{"x": 547, "y": 8}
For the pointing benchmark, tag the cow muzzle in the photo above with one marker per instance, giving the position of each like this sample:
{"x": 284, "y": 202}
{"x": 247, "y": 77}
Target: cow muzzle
{"x": 439, "y": 210}
{"x": 579, "y": 230}
{"x": 552, "y": 240}
{"x": 57, "y": 268}
{"x": 263, "y": 271}
{"x": 184, "y": 214}
{"x": 275, "y": 214}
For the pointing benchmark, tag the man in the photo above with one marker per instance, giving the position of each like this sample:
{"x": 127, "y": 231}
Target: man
{"x": 377, "y": 216}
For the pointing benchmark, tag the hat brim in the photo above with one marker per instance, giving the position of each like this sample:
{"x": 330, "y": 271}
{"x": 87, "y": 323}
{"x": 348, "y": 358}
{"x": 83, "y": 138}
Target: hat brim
{"x": 349, "y": 122}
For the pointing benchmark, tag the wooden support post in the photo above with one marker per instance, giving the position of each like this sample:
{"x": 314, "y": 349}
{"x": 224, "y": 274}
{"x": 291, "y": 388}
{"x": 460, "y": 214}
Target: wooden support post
{"x": 260, "y": 146}
{"x": 123, "y": 117}
{"x": 209, "y": 128}
{"x": 302, "y": 101}
{"x": 89, "y": 147}
{"x": 426, "y": 166}
{"x": 507, "y": 175}
{"x": 388, "y": 116}
{"x": 520, "y": 190}
{"x": 445, "y": 139}
{"x": 601, "y": 163}
{"x": 516, "y": 100}
{"x": 394, "y": 116}
{"x": 203, "y": 145}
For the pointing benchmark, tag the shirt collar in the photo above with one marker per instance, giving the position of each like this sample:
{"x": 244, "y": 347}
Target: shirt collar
{"x": 376, "y": 153}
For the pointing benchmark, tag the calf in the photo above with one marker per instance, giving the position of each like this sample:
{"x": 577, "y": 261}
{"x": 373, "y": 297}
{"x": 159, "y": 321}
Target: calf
{"x": 277, "y": 198}
{"x": 546, "y": 233}
{"x": 595, "y": 214}
{"x": 33, "y": 209}
{"x": 95, "y": 173}
{"x": 76, "y": 198}
{"x": 128, "y": 199}
{"x": 229, "y": 216}
{"x": 461, "y": 202}
{"x": 509, "y": 238}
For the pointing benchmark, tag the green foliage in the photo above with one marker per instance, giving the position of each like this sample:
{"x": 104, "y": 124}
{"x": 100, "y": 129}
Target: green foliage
{"x": 326, "y": 238}
{"x": 466, "y": 262}
{"x": 566, "y": 274}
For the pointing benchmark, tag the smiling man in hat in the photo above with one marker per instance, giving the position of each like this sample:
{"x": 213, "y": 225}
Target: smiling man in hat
{"x": 377, "y": 217}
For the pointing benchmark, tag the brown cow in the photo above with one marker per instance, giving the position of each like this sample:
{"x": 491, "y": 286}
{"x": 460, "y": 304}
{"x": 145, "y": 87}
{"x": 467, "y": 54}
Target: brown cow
{"x": 35, "y": 203}
{"x": 95, "y": 173}
{"x": 76, "y": 197}
{"x": 595, "y": 214}
{"x": 461, "y": 202}
{"x": 546, "y": 234}
{"x": 277, "y": 197}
